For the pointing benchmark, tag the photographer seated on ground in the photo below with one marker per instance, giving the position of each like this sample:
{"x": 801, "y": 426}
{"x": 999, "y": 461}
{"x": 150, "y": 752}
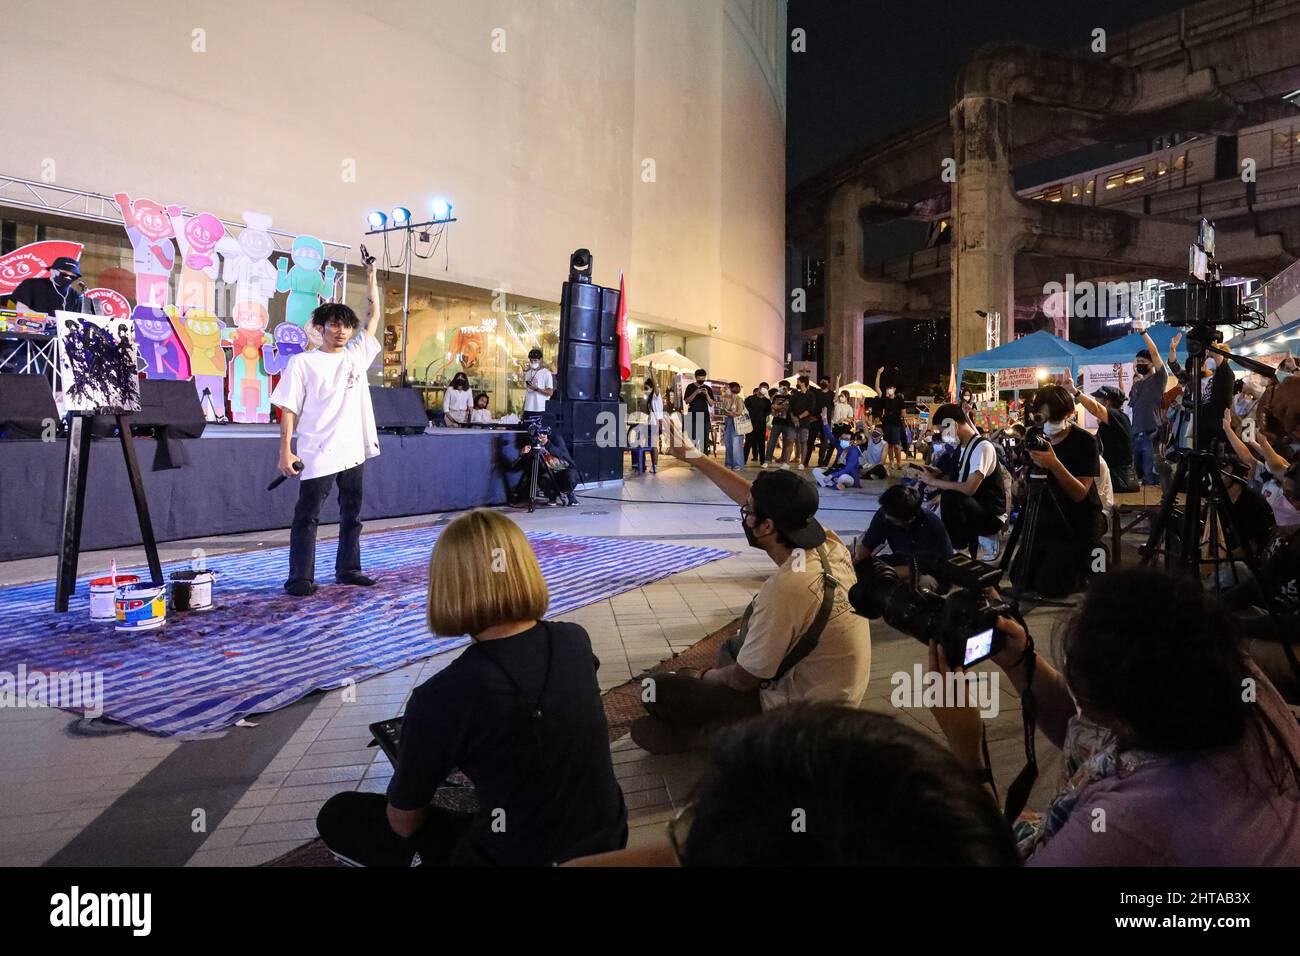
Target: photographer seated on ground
{"x": 1114, "y": 432}
{"x": 799, "y": 638}
{"x": 912, "y": 533}
{"x": 1178, "y": 741}
{"x": 1069, "y": 515}
{"x": 875, "y": 792}
{"x": 519, "y": 713}
{"x": 554, "y": 471}
{"x": 974, "y": 505}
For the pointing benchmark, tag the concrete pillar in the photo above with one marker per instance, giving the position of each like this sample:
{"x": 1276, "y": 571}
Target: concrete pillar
{"x": 989, "y": 222}
{"x": 850, "y": 296}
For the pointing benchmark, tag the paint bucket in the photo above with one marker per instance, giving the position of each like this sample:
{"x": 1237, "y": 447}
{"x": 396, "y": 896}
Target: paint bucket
{"x": 141, "y": 607}
{"x": 192, "y": 590}
{"x": 103, "y": 593}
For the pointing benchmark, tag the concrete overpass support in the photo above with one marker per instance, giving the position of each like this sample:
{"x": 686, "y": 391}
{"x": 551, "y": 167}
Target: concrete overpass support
{"x": 850, "y": 295}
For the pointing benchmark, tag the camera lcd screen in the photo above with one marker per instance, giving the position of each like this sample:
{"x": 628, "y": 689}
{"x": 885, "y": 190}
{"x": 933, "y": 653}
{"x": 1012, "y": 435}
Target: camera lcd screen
{"x": 978, "y": 647}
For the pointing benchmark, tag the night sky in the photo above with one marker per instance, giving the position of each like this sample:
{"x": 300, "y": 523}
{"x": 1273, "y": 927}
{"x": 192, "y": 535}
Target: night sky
{"x": 872, "y": 68}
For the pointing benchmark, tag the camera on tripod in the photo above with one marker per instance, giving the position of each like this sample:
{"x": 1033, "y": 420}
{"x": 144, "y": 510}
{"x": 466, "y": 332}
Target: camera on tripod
{"x": 964, "y": 621}
{"x": 1204, "y": 301}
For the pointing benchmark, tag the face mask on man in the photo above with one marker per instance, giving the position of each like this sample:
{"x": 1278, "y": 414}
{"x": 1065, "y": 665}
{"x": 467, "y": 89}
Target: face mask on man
{"x": 844, "y": 443}
{"x": 1142, "y": 368}
{"x": 62, "y": 279}
{"x": 1053, "y": 429}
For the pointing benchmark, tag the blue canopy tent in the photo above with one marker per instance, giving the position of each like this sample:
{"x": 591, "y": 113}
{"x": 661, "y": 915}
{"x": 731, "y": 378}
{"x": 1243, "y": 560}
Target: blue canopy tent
{"x": 1037, "y": 350}
{"x": 1266, "y": 341}
{"x": 1123, "y": 350}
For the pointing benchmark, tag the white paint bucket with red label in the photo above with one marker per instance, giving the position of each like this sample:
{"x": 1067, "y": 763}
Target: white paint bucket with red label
{"x": 103, "y": 593}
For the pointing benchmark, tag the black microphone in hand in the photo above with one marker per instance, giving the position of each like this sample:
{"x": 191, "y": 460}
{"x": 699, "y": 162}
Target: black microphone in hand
{"x": 280, "y": 479}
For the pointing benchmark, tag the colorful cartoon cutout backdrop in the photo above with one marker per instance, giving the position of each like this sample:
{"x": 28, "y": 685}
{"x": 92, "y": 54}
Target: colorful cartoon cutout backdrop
{"x": 186, "y": 339}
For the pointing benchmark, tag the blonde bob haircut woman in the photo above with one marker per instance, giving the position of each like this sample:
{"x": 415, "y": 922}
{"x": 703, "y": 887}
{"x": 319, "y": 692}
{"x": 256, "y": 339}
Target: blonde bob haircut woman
{"x": 483, "y": 572}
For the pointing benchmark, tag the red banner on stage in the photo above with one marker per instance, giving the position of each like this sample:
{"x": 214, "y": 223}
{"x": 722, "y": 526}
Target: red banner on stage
{"x": 33, "y": 261}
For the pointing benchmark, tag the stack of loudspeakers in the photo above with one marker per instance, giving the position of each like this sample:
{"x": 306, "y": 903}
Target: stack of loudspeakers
{"x": 587, "y": 393}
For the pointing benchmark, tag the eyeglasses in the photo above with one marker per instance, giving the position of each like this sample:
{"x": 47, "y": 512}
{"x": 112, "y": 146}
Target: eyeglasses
{"x": 679, "y": 829}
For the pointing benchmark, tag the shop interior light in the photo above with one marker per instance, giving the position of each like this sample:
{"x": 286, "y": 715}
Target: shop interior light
{"x": 401, "y": 215}
{"x": 441, "y": 208}
{"x": 377, "y": 220}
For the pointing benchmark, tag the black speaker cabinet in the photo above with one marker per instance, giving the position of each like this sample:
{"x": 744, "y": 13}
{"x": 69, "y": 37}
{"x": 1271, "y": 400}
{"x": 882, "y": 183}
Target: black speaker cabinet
{"x": 398, "y": 410}
{"x": 26, "y": 405}
{"x": 581, "y": 373}
{"x": 582, "y": 421}
{"x": 609, "y": 316}
{"x": 596, "y": 463}
{"x": 582, "y": 311}
{"x": 169, "y": 404}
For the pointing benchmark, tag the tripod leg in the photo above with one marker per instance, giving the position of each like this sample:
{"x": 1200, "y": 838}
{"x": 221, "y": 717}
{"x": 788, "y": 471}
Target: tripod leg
{"x": 1161, "y": 520}
{"x": 532, "y": 483}
{"x": 1190, "y": 548}
{"x": 141, "y": 502}
{"x": 74, "y": 497}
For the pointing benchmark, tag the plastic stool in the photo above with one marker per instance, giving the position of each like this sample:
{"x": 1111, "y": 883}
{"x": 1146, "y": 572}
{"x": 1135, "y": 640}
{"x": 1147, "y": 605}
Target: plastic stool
{"x": 639, "y": 456}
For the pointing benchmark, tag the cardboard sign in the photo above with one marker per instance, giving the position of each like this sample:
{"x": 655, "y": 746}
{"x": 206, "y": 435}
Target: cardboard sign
{"x": 1012, "y": 378}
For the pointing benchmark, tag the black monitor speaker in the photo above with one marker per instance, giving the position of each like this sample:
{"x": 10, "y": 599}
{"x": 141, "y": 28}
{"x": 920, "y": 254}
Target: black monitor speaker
{"x": 398, "y": 410}
{"x": 26, "y": 406}
{"x": 174, "y": 405}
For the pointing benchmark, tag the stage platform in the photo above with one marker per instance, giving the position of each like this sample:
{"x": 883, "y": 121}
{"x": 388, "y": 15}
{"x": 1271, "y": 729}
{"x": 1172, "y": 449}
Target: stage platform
{"x": 223, "y": 488}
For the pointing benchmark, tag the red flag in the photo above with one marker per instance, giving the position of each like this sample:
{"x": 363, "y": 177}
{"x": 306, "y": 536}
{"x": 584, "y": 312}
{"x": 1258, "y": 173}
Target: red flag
{"x": 624, "y": 346}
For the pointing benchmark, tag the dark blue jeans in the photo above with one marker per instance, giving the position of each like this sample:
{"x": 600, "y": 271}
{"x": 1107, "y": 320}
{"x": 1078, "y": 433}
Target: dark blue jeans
{"x": 312, "y": 493}
{"x": 1144, "y": 457}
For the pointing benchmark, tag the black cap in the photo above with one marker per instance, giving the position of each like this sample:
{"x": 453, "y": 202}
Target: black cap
{"x": 66, "y": 264}
{"x": 1109, "y": 393}
{"x": 791, "y": 504}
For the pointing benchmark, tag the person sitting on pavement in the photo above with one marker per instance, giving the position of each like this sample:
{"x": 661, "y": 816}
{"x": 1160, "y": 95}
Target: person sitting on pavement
{"x": 799, "y": 639}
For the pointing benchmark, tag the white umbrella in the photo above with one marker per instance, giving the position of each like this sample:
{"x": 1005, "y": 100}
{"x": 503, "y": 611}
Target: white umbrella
{"x": 669, "y": 360}
{"x": 858, "y": 390}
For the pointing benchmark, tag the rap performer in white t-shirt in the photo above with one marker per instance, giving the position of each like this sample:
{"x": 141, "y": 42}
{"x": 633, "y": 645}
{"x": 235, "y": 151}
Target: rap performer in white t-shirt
{"x": 539, "y": 384}
{"x": 325, "y": 397}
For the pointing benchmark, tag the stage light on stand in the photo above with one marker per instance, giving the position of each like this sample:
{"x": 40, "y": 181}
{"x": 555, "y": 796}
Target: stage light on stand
{"x": 377, "y": 220}
{"x": 441, "y": 208}
{"x": 401, "y": 216}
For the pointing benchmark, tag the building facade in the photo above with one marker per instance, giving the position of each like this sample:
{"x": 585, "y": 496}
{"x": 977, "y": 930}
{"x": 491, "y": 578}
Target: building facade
{"x": 651, "y": 133}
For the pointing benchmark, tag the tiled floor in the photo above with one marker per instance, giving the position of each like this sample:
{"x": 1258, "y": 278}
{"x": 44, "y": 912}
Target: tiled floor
{"x": 54, "y": 783}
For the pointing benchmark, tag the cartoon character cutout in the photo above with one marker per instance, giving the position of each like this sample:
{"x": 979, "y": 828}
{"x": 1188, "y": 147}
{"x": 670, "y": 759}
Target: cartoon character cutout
{"x": 247, "y": 384}
{"x": 149, "y": 227}
{"x": 303, "y": 282}
{"x": 200, "y": 266}
{"x": 201, "y": 333}
{"x": 159, "y": 346}
{"x": 289, "y": 341}
{"x": 247, "y": 260}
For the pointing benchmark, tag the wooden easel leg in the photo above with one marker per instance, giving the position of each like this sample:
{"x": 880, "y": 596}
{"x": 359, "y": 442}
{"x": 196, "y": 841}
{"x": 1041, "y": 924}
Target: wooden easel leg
{"x": 141, "y": 503}
{"x": 74, "y": 497}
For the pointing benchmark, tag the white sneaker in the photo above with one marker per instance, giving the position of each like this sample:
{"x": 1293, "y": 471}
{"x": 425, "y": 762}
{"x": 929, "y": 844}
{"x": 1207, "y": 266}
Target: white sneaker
{"x": 800, "y": 466}
{"x": 785, "y": 465}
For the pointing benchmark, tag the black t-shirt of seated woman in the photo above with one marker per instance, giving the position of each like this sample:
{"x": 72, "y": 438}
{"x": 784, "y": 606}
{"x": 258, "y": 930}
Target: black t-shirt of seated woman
{"x": 1078, "y": 452}
{"x": 547, "y": 783}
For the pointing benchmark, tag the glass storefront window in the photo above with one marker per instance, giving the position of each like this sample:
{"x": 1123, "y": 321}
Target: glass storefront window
{"x": 456, "y": 329}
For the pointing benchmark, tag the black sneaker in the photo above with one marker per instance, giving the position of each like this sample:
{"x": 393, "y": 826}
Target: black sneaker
{"x": 356, "y": 578}
{"x": 301, "y": 588}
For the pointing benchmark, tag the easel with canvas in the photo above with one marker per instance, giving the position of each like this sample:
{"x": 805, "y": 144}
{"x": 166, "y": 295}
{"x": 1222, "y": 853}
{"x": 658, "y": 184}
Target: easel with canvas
{"x": 96, "y": 369}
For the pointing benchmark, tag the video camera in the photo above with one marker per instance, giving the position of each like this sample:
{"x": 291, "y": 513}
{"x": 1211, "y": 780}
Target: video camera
{"x": 963, "y": 621}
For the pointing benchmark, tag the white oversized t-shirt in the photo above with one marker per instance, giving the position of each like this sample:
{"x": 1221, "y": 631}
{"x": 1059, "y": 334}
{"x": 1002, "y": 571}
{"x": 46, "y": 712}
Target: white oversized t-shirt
{"x": 541, "y": 378}
{"x": 329, "y": 393}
